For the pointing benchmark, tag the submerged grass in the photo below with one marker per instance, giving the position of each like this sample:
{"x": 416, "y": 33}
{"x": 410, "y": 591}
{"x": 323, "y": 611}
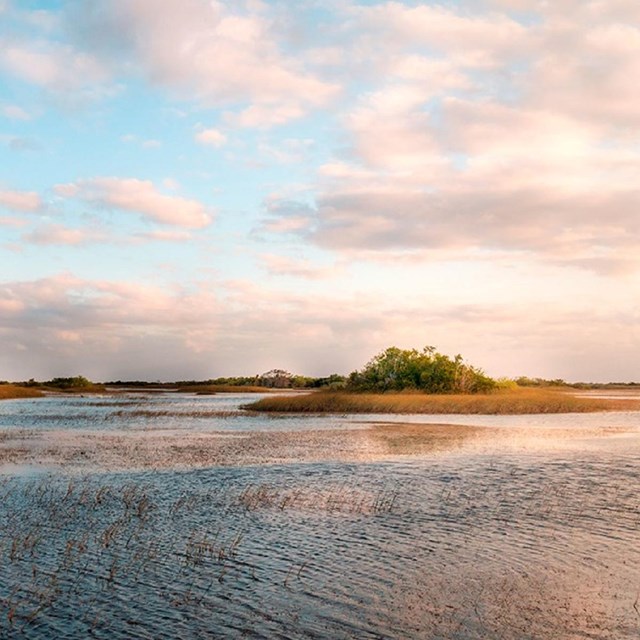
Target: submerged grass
{"x": 10, "y": 391}
{"x": 507, "y": 402}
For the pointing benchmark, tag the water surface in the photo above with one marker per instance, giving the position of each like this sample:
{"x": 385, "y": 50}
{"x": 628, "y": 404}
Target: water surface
{"x": 527, "y": 528}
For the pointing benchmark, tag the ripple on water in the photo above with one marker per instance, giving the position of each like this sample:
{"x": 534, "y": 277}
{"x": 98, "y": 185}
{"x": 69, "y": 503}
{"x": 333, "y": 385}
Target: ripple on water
{"x": 510, "y": 543}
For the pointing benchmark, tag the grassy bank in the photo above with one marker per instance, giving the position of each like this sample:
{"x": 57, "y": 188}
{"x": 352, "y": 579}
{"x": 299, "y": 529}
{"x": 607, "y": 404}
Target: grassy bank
{"x": 9, "y": 391}
{"x": 508, "y": 402}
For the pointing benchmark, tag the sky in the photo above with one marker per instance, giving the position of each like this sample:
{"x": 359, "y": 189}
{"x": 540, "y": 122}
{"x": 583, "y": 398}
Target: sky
{"x": 195, "y": 188}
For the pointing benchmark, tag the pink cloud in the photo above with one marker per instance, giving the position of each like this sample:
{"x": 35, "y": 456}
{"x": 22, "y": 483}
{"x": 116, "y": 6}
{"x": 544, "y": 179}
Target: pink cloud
{"x": 211, "y": 137}
{"x": 141, "y": 197}
{"x": 298, "y": 268}
{"x": 27, "y": 201}
{"x": 57, "y": 234}
{"x": 56, "y": 67}
{"x": 220, "y": 55}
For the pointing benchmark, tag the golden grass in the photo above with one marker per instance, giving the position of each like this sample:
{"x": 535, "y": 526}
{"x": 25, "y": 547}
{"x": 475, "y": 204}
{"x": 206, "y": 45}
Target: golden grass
{"x": 9, "y": 391}
{"x": 91, "y": 388}
{"x": 508, "y": 402}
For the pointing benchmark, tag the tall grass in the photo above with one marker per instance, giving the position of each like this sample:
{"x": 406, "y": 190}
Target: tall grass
{"x": 9, "y": 391}
{"x": 508, "y": 402}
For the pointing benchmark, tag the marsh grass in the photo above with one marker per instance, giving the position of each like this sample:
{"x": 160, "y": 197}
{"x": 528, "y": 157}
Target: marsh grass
{"x": 507, "y": 402}
{"x": 76, "y": 546}
{"x": 333, "y": 499}
{"x": 150, "y": 413}
{"x": 11, "y": 391}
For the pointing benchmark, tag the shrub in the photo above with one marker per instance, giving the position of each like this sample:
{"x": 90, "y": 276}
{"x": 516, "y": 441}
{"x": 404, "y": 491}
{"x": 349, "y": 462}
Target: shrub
{"x": 76, "y": 382}
{"x": 398, "y": 369}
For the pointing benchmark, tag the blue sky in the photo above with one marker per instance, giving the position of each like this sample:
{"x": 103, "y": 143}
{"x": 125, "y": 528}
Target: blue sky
{"x": 193, "y": 188}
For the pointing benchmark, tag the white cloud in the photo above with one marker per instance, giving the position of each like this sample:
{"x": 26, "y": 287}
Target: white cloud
{"x": 211, "y": 137}
{"x": 217, "y": 54}
{"x": 139, "y": 196}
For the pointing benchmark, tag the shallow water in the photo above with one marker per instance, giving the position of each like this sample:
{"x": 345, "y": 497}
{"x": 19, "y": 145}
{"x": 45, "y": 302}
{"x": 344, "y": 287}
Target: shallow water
{"x": 528, "y": 534}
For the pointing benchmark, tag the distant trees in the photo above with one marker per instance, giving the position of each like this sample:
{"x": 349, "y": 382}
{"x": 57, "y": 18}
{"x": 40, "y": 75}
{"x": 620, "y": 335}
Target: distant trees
{"x": 76, "y": 382}
{"x": 427, "y": 370}
{"x": 276, "y": 379}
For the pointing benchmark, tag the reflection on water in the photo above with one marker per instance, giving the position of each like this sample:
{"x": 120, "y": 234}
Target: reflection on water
{"x": 491, "y": 537}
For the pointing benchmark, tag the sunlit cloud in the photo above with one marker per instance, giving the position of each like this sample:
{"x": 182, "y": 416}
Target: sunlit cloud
{"x": 278, "y": 265}
{"x": 57, "y": 234}
{"x": 211, "y": 137}
{"x": 459, "y": 174}
{"x": 28, "y": 201}
{"x": 141, "y": 197}
{"x": 220, "y": 55}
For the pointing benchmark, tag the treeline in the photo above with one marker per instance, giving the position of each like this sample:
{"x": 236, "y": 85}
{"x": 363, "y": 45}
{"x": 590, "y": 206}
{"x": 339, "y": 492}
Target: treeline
{"x": 393, "y": 369}
{"x": 524, "y": 381}
{"x": 282, "y": 381}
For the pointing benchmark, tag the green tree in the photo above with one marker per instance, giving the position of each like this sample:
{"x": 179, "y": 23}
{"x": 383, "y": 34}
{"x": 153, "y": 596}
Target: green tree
{"x": 397, "y": 369}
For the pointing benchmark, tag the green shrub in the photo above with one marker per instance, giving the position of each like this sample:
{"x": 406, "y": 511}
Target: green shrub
{"x": 76, "y": 382}
{"x": 397, "y": 369}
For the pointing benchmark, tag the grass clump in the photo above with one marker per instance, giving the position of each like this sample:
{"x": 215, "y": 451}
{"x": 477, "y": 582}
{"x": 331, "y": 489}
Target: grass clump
{"x": 507, "y": 402}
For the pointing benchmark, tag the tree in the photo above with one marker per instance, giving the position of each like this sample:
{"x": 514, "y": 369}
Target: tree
{"x": 397, "y": 369}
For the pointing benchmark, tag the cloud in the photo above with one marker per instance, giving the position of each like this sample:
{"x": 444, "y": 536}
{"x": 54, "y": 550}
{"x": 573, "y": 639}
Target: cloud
{"x": 278, "y": 265}
{"x": 216, "y": 54}
{"x": 141, "y": 197}
{"x": 57, "y": 325}
{"x": 164, "y": 235}
{"x": 484, "y": 132}
{"x": 28, "y": 201}
{"x": 489, "y": 36}
{"x": 287, "y": 216}
{"x": 62, "y": 321}
{"x": 458, "y": 219}
{"x": 211, "y": 137}
{"x": 57, "y": 234}
{"x": 14, "y": 112}
{"x": 264, "y": 116}
{"x": 145, "y": 144}
{"x": 69, "y": 74}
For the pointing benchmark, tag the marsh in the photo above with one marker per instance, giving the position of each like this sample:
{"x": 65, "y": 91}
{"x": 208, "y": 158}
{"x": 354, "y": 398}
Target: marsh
{"x": 175, "y": 515}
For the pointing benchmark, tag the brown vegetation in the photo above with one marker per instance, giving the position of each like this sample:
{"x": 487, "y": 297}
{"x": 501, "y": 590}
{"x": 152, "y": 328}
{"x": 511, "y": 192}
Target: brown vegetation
{"x": 9, "y": 391}
{"x": 508, "y": 402}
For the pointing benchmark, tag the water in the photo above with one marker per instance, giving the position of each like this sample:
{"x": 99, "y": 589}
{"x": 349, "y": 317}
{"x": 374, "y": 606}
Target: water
{"x": 530, "y": 533}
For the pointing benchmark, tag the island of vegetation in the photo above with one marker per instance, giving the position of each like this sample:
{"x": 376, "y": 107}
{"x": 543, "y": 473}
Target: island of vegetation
{"x": 394, "y": 381}
{"x": 411, "y": 381}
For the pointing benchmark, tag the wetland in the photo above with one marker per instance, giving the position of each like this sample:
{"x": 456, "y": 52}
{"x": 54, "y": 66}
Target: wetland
{"x": 171, "y": 514}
